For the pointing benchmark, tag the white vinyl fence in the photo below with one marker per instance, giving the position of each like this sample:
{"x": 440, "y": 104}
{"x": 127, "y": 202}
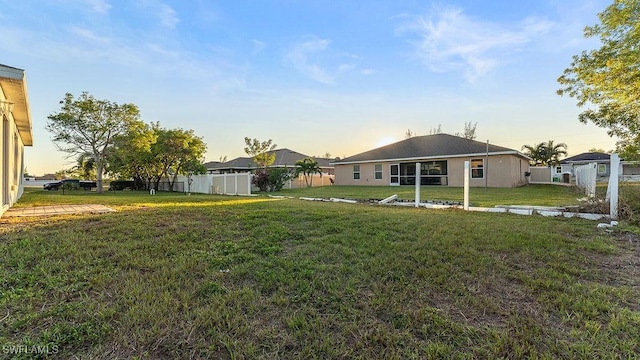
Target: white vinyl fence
{"x": 540, "y": 175}
{"x": 229, "y": 184}
{"x": 586, "y": 176}
{"x": 318, "y": 180}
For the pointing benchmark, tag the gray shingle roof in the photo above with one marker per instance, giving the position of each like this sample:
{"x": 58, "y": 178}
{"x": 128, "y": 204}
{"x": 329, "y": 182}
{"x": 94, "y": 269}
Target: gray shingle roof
{"x": 428, "y": 146}
{"x": 284, "y": 157}
{"x": 586, "y": 157}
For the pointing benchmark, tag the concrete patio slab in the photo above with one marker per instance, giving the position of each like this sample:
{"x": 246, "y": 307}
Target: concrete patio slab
{"x": 58, "y": 210}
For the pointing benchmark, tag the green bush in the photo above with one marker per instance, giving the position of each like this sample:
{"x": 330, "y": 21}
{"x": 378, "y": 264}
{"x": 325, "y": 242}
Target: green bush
{"x": 122, "y": 184}
{"x": 272, "y": 179}
{"x": 277, "y": 178}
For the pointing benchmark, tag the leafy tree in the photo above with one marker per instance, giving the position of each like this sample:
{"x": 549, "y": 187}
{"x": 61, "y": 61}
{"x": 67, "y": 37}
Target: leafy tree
{"x": 629, "y": 148}
{"x": 175, "y": 149}
{"x": 606, "y": 80}
{"x": 85, "y": 167}
{"x": 62, "y": 174}
{"x": 307, "y": 167}
{"x": 596, "y": 150}
{"x": 261, "y": 152}
{"x": 149, "y": 153}
{"x": 86, "y": 125}
{"x": 131, "y": 157}
{"x": 545, "y": 154}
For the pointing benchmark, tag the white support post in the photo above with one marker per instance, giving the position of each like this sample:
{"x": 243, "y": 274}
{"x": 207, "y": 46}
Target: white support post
{"x": 236, "y": 186}
{"x": 466, "y": 185}
{"x": 248, "y": 183}
{"x": 417, "y": 184}
{"x": 613, "y": 186}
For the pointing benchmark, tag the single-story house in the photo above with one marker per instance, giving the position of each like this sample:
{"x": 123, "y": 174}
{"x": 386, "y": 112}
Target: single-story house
{"x": 441, "y": 158}
{"x": 285, "y": 158}
{"x": 629, "y": 170}
{"x": 568, "y": 165}
{"x": 15, "y": 133}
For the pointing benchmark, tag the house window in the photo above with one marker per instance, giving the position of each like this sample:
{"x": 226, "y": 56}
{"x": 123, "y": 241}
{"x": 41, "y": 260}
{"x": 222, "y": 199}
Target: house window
{"x": 377, "y": 172}
{"x": 477, "y": 168}
{"x": 558, "y": 169}
{"x": 431, "y": 173}
{"x": 602, "y": 168}
{"x": 356, "y": 172}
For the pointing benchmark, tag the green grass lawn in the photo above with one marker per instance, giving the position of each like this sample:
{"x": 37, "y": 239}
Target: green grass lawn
{"x": 173, "y": 276}
{"x": 544, "y": 195}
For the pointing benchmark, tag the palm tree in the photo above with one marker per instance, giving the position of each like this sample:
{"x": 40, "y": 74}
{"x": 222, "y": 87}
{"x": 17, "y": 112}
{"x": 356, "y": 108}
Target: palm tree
{"x": 86, "y": 166}
{"x": 308, "y": 167}
{"x": 553, "y": 152}
{"x": 534, "y": 152}
{"x": 545, "y": 154}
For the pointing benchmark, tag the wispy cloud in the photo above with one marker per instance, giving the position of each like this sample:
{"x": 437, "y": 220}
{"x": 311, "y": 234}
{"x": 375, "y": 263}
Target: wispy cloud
{"x": 88, "y": 35}
{"x": 448, "y": 40}
{"x": 315, "y": 58}
{"x": 165, "y": 14}
{"x": 301, "y": 57}
{"x": 258, "y": 46}
{"x": 99, "y": 6}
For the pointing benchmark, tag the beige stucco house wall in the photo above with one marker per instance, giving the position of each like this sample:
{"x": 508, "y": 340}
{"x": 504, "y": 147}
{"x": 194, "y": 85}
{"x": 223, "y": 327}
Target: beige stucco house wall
{"x": 15, "y": 133}
{"x": 441, "y": 158}
{"x": 502, "y": 171}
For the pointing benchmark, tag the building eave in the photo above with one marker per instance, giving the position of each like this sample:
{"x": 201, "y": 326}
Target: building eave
{"x": 14, "y": 86}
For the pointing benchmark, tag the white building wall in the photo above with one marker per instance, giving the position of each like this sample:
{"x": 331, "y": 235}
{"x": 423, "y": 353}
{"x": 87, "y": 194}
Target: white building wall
{"x": 11, "y": 160}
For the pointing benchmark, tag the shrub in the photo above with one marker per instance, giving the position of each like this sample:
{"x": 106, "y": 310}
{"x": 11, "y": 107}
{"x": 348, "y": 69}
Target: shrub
{"x": 272, "y": 179}
{"x": 122, "y": 184}
{"x": 261, "y": 180}
{"x": 277, "y": 178}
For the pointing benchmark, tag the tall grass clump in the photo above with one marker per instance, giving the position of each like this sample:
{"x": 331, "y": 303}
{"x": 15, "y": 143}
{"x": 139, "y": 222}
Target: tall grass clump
{"x": 629, "y": 203}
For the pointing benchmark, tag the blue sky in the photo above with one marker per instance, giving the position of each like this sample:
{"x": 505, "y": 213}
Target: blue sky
{"x": 315, "y": 76}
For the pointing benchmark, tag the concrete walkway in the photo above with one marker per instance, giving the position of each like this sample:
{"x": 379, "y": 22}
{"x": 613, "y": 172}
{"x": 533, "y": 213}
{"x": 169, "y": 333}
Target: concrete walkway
{"x": 57, "y": 210}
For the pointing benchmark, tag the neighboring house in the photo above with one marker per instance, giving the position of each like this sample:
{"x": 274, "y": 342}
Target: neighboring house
{"x": 15, "y": 133}
{"x": 285, "y": 158}
{"x": 442, "y": 158}
{"x": 568, "y": 165}
{"x": 630, "y": 171}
